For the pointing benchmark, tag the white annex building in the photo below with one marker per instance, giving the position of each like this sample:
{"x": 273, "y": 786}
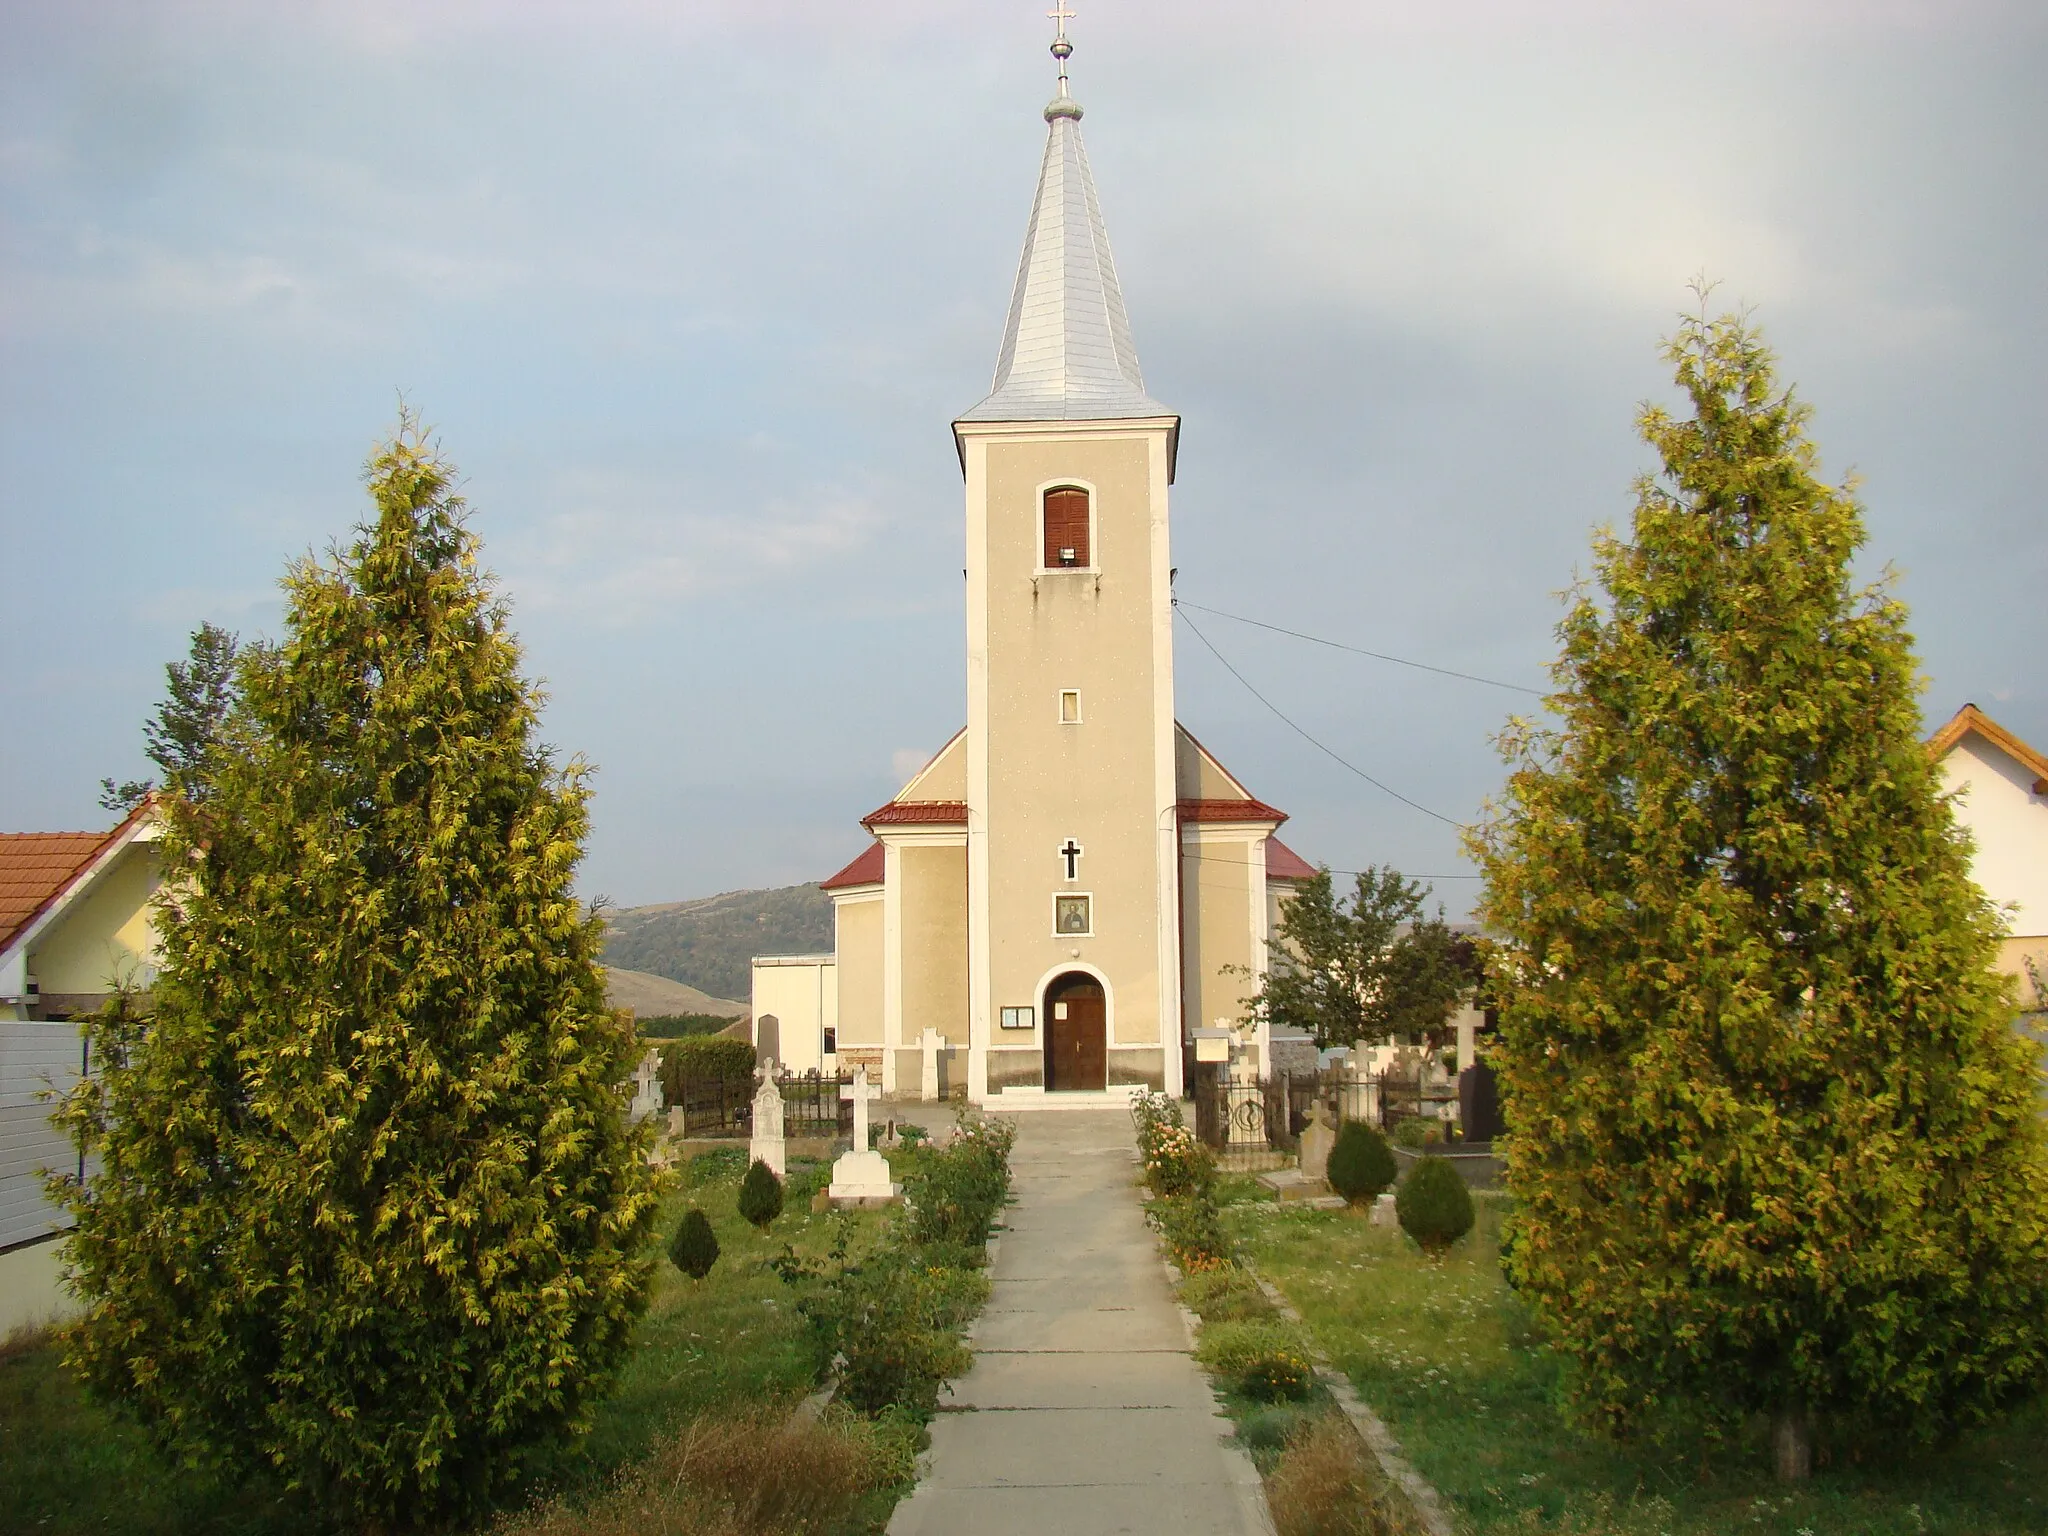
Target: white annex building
{"x": 2001, "y": 787}
{"x": 1073, "y": 884}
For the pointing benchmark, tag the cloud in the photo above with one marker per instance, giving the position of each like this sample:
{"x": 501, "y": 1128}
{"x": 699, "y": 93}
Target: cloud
{"x": 628, "y": 547}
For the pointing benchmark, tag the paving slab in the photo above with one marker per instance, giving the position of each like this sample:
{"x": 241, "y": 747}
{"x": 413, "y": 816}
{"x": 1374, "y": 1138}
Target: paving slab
{"x": 1084, "y": 1413}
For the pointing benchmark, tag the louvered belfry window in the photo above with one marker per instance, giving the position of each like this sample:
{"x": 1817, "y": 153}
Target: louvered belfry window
{"x": 1066, "y": 527}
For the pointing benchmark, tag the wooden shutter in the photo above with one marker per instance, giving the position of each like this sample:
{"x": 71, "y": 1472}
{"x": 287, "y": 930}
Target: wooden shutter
{"x": 1066, "y": 527}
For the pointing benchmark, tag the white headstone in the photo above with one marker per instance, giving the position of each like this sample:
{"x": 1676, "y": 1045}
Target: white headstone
{"x": 766, "y": 1143}
{"x": 861, "y": 1177}
{"x": 1317, "y": 1137}
{"x": 929, "y": 1044}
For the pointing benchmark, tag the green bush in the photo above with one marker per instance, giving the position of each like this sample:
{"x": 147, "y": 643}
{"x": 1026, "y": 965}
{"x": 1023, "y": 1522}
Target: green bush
{"x": 1434, "y": 1205}
{"x": 1225, "y": 1295}
{"x": 1262, "y": 1358}
{"x": 760, "y": 1194}
{"x": 704, "y": 1057}
{"x": 1193, "y": 1231}
{"x": 956, "y": 1192}
{"x": 680, "y": 1026}
{"x": 1416, "y": 1132}
{"x": 694, "y": 1248}
{"x": 1362, "y": 1165}
{"x": 889, "y": 1320}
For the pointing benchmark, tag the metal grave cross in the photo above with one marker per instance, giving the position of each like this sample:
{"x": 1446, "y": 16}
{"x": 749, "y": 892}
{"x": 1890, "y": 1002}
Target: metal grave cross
{"x": 1071, "y": 852}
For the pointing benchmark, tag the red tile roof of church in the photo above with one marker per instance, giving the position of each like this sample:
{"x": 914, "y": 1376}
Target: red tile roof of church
{"x": 899, "y": 813}
{"x": 1283, "y": 863}
{"x": 865, "y": 870}
{"x": 1230, "y": 810}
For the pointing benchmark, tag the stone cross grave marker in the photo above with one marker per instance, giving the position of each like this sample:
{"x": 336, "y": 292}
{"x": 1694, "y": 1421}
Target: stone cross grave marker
{"x": 861, "y": 1177}
{"x": 1317, "y": 1137}
{"x": 766, "y": 1143}
{"x": 647, "y": 1086}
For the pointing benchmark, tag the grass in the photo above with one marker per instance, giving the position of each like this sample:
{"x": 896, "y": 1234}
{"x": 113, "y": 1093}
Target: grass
{"x": 730, "y": 1344}
{"x": 1452, "y": 1361}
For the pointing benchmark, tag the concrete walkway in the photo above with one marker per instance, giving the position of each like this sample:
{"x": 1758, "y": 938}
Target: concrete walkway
{"x": 1085, "y": 1413}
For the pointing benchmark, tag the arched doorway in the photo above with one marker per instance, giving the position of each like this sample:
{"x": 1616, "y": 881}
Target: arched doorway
{"x": 1076, "y": 1033}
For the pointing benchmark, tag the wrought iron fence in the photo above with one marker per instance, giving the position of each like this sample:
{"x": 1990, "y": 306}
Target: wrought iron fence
{"x": 1245, "y": 1114}
{"x": 724, "y": 1106}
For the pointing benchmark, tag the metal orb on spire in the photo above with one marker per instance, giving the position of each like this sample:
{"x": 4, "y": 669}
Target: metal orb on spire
{"x": 1062, "y": 105}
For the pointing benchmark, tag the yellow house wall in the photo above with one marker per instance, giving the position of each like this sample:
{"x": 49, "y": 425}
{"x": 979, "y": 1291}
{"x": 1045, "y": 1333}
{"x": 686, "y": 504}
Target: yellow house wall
{"x": 2009, "y": 824}
{"x": 1195, "y": 776}
{"x": 1216, "y": 897}
{"x": 106, "y": 937}
{"x": 935, "y": 942}
{"x": 1047, "y": 781}
{"x": 857, "y": 925}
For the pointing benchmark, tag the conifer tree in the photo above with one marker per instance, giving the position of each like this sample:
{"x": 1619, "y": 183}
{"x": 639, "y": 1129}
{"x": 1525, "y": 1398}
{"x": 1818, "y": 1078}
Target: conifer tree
{"x": 371, "y": 1213}
{"x": 1774, "y": 1139}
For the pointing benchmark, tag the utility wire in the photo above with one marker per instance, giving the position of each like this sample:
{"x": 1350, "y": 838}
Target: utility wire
{"x": 1359, "y": 650}
{"x": 1304, "y": 735}
{"x": 1212, "y": 858}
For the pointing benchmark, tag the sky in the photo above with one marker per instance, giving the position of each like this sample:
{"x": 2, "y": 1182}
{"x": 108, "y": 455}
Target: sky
{"x": 692, "y": 292}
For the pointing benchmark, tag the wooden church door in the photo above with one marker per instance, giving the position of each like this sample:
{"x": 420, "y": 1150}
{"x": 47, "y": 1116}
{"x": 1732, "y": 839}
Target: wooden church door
{"x": 1077, "y": 1035}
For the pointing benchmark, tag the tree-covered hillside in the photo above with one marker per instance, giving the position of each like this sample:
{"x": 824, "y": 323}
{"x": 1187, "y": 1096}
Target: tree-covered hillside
{"x": 708, "y": 943}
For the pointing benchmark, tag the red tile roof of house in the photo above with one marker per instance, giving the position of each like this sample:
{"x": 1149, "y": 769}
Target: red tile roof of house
{"x": 898, "y": 813}
{"x": 36, "y": 868}
{"x": 1283, "y": 863}
{"x": 1230, "y": 810}
{"x": 865, "y": 870}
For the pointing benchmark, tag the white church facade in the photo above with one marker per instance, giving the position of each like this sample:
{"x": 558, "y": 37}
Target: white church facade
{"x": 1073, "y": 885}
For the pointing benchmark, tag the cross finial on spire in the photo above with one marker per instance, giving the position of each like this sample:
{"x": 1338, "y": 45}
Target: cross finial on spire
{"x": 1063, "y": 105}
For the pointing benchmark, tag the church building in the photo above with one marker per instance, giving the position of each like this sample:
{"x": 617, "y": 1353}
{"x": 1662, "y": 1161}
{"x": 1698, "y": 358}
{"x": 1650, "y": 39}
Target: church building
{"x": 1074, "y": 884}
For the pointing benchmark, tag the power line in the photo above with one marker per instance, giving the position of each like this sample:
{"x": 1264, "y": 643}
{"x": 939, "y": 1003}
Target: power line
{"x": 1359, "y": 650}
{"x": 1304, "y": 735}
{"x": 1210, "y": 858}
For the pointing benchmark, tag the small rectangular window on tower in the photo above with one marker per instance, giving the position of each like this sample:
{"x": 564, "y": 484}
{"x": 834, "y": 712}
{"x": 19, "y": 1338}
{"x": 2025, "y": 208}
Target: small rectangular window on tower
{"x": 1070, "y": 706}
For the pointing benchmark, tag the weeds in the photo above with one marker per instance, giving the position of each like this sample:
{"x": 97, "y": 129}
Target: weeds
{"x": 1326, "y": 1484}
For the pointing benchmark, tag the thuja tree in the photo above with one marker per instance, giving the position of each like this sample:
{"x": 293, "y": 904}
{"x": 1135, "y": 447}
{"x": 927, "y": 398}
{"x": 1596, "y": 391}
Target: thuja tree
{"x": 369, "y": 1213}
{"x": 1774, "y": 1142}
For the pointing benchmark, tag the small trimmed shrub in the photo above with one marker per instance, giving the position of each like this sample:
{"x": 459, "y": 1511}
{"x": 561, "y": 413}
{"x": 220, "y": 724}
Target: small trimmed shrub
{"x": 1362, "y": 1165}
{"x": 1193, "y": 1231}
{"x": 1434, "y": 1205}
{"x": 760, "y": 1194}
{"x": 694, "y": 1248}
{"x": 890, "y": 1319}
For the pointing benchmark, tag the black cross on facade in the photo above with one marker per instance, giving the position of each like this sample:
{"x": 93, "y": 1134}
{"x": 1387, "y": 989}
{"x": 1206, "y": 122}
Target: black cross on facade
{"x": 1071, "y": 852}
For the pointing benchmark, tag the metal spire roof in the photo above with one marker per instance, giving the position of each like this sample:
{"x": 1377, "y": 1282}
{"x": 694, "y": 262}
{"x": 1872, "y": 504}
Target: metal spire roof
{"x": 1067, "y": 351}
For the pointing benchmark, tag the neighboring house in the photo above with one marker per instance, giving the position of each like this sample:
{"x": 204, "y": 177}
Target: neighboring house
{"x": 2002, "y": 801}
{"x": 75, "y": 925}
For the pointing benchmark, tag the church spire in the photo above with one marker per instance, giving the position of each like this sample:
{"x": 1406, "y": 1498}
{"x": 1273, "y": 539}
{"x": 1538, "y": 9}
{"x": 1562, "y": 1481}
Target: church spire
{"x": 1067, "y": 352}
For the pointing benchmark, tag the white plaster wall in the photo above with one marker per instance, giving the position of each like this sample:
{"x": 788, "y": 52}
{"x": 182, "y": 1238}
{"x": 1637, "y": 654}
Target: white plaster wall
{"x": 2009, "y": 824}
{"x": 802, "y": 993}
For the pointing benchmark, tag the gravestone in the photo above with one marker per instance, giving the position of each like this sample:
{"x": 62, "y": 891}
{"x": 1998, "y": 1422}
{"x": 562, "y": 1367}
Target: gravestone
{"x": 647, "y": 1086}
{"x": 1479, "y": 1103}
{"x": 766, "y": 1144}
{"x": 861, "y": 1177}
{"x": 1317, "y": 1137}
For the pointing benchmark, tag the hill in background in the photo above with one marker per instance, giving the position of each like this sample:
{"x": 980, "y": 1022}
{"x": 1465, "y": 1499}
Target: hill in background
{"x": 709, "y": 943}
{"x": 653, "y": 997}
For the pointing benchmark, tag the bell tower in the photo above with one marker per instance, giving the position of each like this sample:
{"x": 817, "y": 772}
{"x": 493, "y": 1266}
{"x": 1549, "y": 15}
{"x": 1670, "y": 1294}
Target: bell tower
{"x": 1073, "y": 845}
